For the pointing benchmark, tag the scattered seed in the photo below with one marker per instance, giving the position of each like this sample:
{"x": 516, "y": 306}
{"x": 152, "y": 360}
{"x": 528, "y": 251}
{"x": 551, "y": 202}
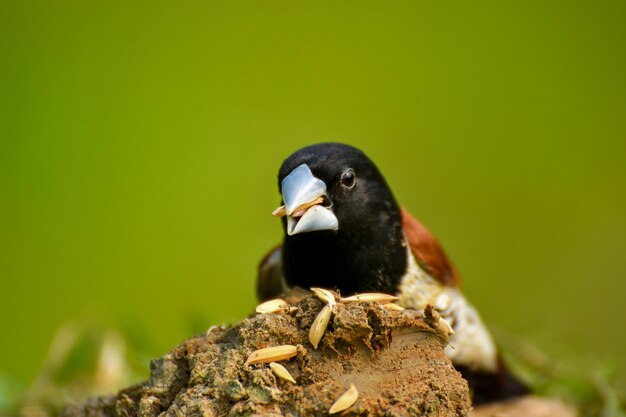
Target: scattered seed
{"x": 346, "y": 400}
{"x": 393, "y": 307}
{"x": 319, "y": 325}
{"x": 272, "y": 354}
{"x": 374, "y": 296}
{"x": 324, "y": 295}
{"x": 445, "y": 326}
{"x": 281, "y": 372}
{"x": 272, "y": 306}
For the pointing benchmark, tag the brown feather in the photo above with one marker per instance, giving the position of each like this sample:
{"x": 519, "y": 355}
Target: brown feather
{"x": 428, "y": 251}
{"x": 270, "y": 282}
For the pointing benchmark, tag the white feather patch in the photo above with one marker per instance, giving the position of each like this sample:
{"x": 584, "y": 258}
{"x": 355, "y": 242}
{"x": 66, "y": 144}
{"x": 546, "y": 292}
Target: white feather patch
{"x": 471, "y": 344}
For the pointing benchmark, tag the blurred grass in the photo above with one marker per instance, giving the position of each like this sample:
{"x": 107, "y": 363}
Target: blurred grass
{"x": 139, "y": 144}
{"x": 595, "y": 388}
{"x": 81, "y": 361}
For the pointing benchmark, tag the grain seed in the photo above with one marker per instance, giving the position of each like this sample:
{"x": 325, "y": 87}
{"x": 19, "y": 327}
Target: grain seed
{"x": 319, "y": 325}
{"x": 324, "y": 295}
{"x": 281, "y": 372}
{"x": 272, "y": 354}
{"x": 280, "y": 211}
{"x": 445, "y": 327}
{"x": 374, "y": 296}
{"x": 393, "y": 307}
{"x": 346, "y": 400}
{"x": 272, "y": 306}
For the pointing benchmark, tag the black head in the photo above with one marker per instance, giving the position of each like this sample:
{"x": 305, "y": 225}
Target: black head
{"x": 342, "y": 224}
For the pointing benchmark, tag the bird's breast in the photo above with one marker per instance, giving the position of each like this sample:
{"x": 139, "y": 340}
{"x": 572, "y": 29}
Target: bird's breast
{"x": 471, "y": 345}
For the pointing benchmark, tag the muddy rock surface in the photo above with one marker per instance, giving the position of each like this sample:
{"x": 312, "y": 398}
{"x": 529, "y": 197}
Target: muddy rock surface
{"x": 394, "y": 358}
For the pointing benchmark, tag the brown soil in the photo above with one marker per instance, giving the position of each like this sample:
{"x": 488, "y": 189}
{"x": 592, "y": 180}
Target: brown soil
{"x": 395, "y": 359}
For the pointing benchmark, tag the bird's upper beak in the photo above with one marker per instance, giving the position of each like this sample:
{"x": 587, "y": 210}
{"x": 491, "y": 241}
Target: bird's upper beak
{"x": 303, "y": 193}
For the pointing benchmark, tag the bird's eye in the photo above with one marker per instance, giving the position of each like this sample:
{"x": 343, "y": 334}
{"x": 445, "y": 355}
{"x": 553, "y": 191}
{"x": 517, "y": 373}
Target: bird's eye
{"x": 348, "y": 178}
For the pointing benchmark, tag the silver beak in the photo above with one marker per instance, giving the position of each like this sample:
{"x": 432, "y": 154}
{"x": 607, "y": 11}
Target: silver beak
{"x": 302, "y": 194}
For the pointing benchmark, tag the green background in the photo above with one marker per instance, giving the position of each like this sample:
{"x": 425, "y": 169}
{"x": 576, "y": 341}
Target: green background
{"x": 140, "y": 143}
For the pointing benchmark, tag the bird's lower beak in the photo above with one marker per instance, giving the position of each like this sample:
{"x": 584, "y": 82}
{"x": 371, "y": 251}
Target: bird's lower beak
{"x": 303, "y": 193}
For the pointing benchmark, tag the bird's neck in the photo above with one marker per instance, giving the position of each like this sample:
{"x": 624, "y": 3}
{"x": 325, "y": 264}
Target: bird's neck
{"x": 364, "y": 260}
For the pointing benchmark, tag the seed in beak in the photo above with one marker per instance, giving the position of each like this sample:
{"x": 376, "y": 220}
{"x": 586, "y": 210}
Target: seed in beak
{"x": 298, "y": 211}
{"x": 280, "y": 212}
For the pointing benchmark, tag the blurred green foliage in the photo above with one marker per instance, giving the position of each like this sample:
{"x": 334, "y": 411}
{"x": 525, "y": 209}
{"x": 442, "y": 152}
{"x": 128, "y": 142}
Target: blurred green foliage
{"x": 594, "y": 388}
{"x": 139, "y": 143}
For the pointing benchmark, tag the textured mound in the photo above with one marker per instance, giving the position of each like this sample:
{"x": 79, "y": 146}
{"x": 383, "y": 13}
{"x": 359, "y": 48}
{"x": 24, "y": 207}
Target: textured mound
{"x": 395, "y": 359}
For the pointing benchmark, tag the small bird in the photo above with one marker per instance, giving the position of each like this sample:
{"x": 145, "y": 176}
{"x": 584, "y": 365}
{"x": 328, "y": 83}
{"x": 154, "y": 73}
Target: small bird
{"x": 343, "y": 229}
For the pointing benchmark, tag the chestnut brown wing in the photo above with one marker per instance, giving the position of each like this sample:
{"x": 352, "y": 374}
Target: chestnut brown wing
{"x": 428, "y": 251}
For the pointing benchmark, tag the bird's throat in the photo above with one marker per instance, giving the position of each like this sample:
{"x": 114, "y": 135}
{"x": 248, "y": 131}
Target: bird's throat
{"x": 350, "y": 263}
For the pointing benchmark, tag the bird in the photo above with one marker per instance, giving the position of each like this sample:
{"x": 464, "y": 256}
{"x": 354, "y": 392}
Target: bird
{"x": 344, "y": 230}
